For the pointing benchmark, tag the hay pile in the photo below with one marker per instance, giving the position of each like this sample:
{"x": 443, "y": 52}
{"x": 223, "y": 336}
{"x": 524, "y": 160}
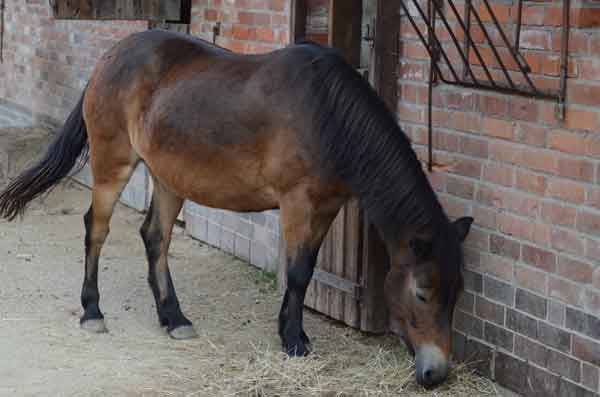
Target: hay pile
{"x": 344, "y": 362}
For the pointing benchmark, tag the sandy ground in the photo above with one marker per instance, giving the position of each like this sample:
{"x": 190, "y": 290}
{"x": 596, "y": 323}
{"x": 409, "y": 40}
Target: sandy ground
{"x": 233, "y": 306}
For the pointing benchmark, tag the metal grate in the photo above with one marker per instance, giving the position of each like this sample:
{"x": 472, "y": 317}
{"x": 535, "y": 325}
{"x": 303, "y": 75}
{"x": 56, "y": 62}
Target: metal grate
{"x": 440, "y": 58}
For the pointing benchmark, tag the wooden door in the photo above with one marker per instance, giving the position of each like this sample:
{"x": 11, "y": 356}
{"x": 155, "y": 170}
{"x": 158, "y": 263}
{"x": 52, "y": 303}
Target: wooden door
{"x": 352, "y": 263}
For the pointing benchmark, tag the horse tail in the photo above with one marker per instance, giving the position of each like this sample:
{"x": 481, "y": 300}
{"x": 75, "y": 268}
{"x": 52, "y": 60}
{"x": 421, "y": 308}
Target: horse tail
{"x": 69, "y": 144}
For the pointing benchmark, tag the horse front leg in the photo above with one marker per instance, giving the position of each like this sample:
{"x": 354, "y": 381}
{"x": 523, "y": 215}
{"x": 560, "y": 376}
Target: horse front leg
{"x": 305, "y": 220}
{"x": 291, "y": 330}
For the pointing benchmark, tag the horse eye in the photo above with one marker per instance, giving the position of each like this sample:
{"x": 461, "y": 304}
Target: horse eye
{"x": 421, "y": 297}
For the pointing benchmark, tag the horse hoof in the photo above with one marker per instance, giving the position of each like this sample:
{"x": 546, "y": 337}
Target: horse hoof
{"x": 96, "y": 326}
{"x": 299, "y": 350}
{"x": 183, "y": 332}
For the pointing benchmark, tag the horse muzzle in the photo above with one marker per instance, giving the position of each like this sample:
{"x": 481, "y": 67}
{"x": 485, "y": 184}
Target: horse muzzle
{"x": 432, "y": 365}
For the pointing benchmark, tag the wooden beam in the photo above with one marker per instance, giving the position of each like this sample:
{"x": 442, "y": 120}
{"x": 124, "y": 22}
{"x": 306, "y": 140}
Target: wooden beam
{"x": 298, "y": 20}
{"x": 387, "y": 31}
{"x": 162, "y": 10}
{"x": 345, "y": 18}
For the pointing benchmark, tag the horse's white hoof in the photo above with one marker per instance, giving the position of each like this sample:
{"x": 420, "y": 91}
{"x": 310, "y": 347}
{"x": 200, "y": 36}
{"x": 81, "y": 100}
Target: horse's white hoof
{"x": 183, "y": 332}
{"x": 96, "y": 326}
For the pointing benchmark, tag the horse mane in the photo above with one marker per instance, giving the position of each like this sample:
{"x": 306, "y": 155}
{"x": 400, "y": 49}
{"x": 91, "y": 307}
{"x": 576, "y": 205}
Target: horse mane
{"x": 361, "y": 143}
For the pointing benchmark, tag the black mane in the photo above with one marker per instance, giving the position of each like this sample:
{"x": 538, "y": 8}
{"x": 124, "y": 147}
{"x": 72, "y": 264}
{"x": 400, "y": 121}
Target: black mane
{"x": 361, "y": 143}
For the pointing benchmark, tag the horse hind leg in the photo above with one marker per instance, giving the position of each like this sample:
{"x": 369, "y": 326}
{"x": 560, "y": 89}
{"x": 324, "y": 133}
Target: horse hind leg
{"x": 105, "y": 194}
{"x": 156, "y": 233}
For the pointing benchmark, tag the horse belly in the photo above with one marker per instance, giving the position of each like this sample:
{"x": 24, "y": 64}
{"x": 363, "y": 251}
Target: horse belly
{"x": 229, "y": 178}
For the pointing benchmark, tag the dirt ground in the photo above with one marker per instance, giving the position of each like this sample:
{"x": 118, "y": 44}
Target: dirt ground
{"x": 233, "y": 306}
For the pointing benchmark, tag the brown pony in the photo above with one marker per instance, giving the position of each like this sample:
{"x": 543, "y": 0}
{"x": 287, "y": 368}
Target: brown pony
{"x": 297, "y": 129}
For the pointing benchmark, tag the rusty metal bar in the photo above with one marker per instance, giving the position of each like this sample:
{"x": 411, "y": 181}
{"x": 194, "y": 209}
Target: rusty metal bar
{"x": 433, "y": 76}
{"x": 518, "y": 27}
{"x": 510, "y": 48}
{"x": 505, "y": 90}
{"x": 564, "y": 60}
{"x": 437, "y": 8}
{"x": 434, "y": 48}
{"x": 435, "y": 40}
{"x": 467, "y": 29}
{"x": 2, "y": 12}
{"x": 492, "y": 46}
{"x": 469, "y": 40}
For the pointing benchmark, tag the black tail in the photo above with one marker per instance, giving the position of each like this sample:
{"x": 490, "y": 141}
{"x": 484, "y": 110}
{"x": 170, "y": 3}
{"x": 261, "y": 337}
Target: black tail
{"x": 70, "y": 142}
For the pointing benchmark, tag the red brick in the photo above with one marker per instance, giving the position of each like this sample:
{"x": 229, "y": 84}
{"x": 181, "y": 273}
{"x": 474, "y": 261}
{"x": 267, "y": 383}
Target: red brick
{"x": 474, "y": 147}
{"x": 534, "y": 280}
{"x": 466, "y": 122}
{"x": 493, "y": 105}
{"x": 596, "y": 278}
{"x": 437, "y": 180}
{"x": 566, "y": 240}
{"x": 558, "y": 214}
{"x": 581, "y": 119}
{"x": 265, "y": 34}
{"x": 461, "y": 100}
{"x": 531, "y": 134}
{"x": 533, "y": 15}
{"x": 478, "y": 239}
{"x": 586, "y": 350}
{"x": 524, "y": 228}
{"x": 502, "y": 246}
{"x": 575, "y": 270}
{"x": 501, "y": 11}
{"x": 553, "y": 16}
{"x": 590, "y": 68}
{"x": 570, "y": 191}
{"x": 468, "y": 167}
{"x": 592, "y": 249}
{"x": 411, "y": 113}
{"x": 588, "y": 222}
{"x": 497, "y": 266}
{"x": 539, "y": 160}
{"x": 585, "y": 17}
{"x": 592, "y": 301}
{"x": 584, "y": 93}
{"x": 505, "y": 152}
{"x": 499, "y": 174}
{"x": 460, "y": 187}
{"x": 210, "y": 15}
{"x": 540, "y": 258}
{"x": 530, "y": 182}
{"x": 567, "y": 141}
{"x": 536, "y": 39}
{"x": 576, "y": 168}
{"x": 579, "y": 42}
{"x": 498, "y": 128}
{"x": 566, "y": 291}
{"x": 485, "y": 217}
{"x": 453, "y": 207}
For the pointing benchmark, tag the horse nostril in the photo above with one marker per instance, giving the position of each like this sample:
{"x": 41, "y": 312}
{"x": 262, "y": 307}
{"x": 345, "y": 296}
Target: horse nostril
{"x": 428, "y": 377}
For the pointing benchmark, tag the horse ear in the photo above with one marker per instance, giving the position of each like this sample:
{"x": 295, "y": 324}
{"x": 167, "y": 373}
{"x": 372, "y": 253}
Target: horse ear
{"x": 463, "y": 226}
{"x": 421, "y": 248}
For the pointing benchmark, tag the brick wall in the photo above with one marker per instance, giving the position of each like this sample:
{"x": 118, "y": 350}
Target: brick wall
{"x": 249, "y": 26}
{"x": 47, "y": 63}
{"x": 531, "y": 310}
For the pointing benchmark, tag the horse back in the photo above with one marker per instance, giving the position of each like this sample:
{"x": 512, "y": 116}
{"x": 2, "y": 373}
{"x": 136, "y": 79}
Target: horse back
{"x": 193, "y": 111}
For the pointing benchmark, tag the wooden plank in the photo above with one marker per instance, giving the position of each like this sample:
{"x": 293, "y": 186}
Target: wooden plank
{"x": 353, "y": 259}
{"x": 345, "y": 25}
{"x": 387, "y": 30}
{"x": 374, "y": 313}
{"x": 119, "y": 9}
{"x": 298, "y": 20}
